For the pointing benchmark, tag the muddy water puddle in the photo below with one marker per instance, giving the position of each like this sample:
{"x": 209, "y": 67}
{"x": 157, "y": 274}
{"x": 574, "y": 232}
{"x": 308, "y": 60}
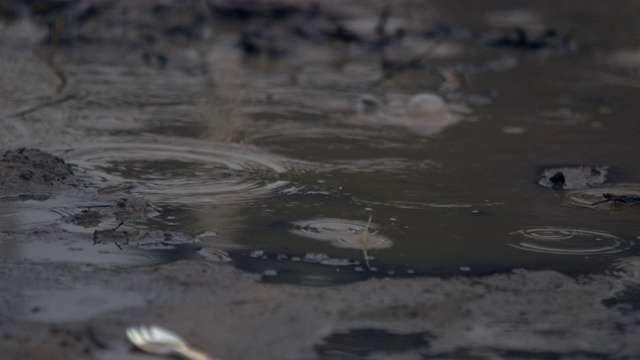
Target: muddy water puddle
{"x": 329, "y": 145}
{"x": 288, "y": 149}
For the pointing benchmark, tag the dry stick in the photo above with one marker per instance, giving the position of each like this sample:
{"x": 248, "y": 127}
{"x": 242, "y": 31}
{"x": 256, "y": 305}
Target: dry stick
{"x": 54, "y": 32}
{"x": 400, "y": 68}
{"x": 116, "y": 228}
{"x": 365, "y": 242}
{"x": 61, "y": 76}
{"x": 40, "y": 106}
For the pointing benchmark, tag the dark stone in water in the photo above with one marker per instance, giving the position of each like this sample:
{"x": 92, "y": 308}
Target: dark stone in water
{"x": 573, "y": 177}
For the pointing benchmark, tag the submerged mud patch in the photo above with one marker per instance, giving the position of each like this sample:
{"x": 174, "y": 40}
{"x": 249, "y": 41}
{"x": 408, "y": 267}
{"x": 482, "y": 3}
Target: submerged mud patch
{"x": 103, "y": 249}
{"x": 76, "y": 304}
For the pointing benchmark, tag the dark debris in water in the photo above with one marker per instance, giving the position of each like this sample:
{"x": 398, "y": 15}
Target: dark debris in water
{"x": 630, "y": 200}
{"x": 522, "y": 39}
{"x": 86, "y": 218}
{"x": 573, "y": 177}
{"x": 122, "y": 209}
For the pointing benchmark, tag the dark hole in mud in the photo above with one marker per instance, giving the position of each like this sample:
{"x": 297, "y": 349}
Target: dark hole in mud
{"x": 524, "y": 355}
{"x": 359, "y": 343}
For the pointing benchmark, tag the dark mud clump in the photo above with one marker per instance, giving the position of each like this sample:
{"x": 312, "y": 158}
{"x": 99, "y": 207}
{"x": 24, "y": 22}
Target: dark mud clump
{"x": 32, "y": 174}
{"x": 572, "y": 178}
{"x": 27, "y": 170}
{"x": 86, "y": 218}
{"x": 134, "y": 208}
{"x": 122, "y": 209}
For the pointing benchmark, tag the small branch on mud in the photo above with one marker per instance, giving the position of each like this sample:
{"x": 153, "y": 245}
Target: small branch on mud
{"x": 40, "y": 106}
{"x": 364, "y": 241}
{"x": 54, "y": 34}
{"x": 60, "y": 74}
{"x": 116, "y": 228}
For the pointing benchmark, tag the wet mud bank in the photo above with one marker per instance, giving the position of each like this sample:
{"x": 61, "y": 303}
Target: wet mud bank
{"x": 54, "y": 311}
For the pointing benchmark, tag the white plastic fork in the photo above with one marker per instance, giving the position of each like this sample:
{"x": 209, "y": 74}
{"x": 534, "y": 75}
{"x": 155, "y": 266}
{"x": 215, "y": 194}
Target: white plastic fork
{"x": 159, "y": 341}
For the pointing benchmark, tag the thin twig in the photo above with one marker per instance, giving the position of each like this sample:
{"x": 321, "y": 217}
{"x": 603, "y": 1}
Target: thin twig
{"x": 116, "y": 228}
{"x": 40, "y": 106}
{"x": 365, "y": 242}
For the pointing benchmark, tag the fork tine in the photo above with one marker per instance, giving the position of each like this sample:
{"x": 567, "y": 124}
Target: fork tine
{"x": 146, "y": 332}
{"x": 136, "y": 334}
{"x": 133, "y": 334}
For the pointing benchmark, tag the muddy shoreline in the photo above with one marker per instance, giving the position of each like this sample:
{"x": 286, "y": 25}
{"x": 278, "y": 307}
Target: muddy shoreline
{"x": 232, "y": 315}
{"x": 77, "y": 311}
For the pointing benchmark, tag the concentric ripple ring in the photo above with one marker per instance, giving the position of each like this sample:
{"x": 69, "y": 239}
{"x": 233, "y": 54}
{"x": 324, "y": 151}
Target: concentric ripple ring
{"x": 186, "y": 173}
{"x": 567, "y": 241}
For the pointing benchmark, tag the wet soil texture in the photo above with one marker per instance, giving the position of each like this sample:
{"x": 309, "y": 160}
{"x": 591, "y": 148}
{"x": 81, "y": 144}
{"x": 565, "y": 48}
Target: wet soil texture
{"x": 315, "y": 181}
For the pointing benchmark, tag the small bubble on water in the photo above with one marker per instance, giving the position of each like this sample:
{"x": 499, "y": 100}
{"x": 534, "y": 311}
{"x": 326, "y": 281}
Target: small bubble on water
{"x": 513, "y": 130}
{"x": 465, "y": 268}
{"x": 270, "y": 272}
{"x": 256, "y": 253}
{"x": 315, "y": 257}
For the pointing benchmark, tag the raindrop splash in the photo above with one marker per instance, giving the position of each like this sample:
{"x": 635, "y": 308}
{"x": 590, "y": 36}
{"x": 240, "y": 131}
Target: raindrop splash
{"x": 187, "y": 173}
{"x": 567, "y": 241}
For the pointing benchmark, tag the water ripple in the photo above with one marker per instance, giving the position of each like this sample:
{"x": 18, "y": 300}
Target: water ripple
{"x": 567, "y": 241}
{"x": 188, "y": 173}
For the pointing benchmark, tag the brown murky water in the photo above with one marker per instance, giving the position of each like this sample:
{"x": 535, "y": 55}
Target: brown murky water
{"x": 280, "y": 155}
